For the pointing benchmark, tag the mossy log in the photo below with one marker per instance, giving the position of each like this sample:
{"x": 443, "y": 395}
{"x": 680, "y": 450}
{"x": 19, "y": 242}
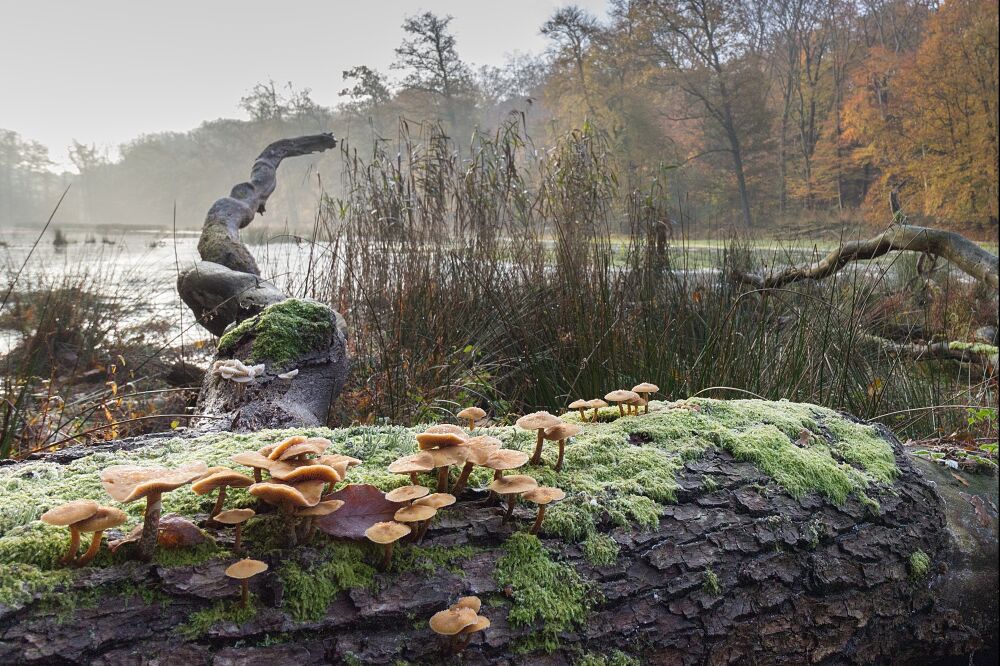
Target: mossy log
{"x": 707, "y": 532}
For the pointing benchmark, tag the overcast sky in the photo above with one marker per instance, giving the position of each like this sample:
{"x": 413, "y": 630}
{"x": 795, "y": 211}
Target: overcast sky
{"x": 105, "y": 71}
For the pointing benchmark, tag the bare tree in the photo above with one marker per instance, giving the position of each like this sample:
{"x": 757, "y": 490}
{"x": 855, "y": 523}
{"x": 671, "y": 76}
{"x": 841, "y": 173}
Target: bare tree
{"x": 571, "y": 30}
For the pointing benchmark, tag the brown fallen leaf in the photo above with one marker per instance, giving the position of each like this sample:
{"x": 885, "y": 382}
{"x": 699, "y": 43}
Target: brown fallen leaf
{"x": 174, "y": 532}
{"x": 960, "y": 480}
{"x": 364, "y": 505}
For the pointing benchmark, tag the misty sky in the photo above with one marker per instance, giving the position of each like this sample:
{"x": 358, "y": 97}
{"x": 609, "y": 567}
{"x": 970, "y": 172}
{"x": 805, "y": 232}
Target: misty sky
{"x": 105, "y": 71}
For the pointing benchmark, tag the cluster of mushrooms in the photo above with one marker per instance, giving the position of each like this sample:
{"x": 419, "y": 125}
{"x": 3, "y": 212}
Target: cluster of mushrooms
{"x": 460, "y": 622}
{"x": 628, "y": 402}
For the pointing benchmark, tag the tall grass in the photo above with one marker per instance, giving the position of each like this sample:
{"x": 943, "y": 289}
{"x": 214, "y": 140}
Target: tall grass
{"x": 520, "y": 278}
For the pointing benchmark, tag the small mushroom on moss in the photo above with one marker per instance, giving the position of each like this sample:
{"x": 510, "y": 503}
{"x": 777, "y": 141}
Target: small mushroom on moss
{"x": 243, "y": 571}
{"x": 236, "y": 517}
{"x": 220, "y": 480}
{"x": 560, "y": 433}
{"x": 68, "y": 515}
{"x": 336, "y": 459}
{"x": 510, "y": 487}
{"x": 127, "y": 483}
{"x": 580, "y": 406}
{"x": 478, "y": 451}
{"x": 441, "y": 436}
{"x": 412, "y": 465}
{"x": 471, "y": 414}
{"x": 538, "y": 421}
{"x": 304, "y": 471}
{"x": 416, "y": 513}
{"x": 621, "y": 397}
{"x": 407, "y": 493}
{"x": 596, "y": 404}
{"x": 444, "y": 460}
{"x": 312, "y": 445}
{"x": 645, "y": 389}
{"x": 450, "y": 622}
{"x": 288, "y": 498}
{"x": 105, "y": 518}
{"x": 255, "y": 460}
{"x": 276, "y": 451}
{"x": 482, "y": 623}
{"x": 387, "y": 534}
{"x": 542, "y": 496}
{"x": 502, "y": 460}
{"x": 437, "y": 500}
{"x": 309, "y": 515}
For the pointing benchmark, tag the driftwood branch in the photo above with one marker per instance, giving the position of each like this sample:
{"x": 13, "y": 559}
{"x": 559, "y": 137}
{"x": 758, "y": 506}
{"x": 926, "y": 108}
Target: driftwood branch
{"x": 935, "y": 351}
{"x": 966, "y": 255}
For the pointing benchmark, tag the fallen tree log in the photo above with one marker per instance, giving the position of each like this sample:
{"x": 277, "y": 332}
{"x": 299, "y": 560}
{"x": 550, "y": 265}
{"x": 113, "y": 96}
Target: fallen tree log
{"x": 966, "y": 255}
{"x": 707, "y": 532}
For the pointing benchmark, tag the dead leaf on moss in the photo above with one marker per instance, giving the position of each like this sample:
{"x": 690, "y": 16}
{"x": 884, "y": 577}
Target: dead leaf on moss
{"x": 364, "y": 505}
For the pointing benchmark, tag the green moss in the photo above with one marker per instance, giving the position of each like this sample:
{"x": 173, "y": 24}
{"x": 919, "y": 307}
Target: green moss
{"x": 920, "y": 565}
{"x": 200, "y": 622}
{"x": 35, "y": 543}
{"x": 600, "y": 549}
{"x": 283, "y": 331}
{"x": 20, "y": 583}
{"x": 430, "y": 560}
{"x": 711, "y": 584}
{"x": 615, "y": 658}
{"x": 545, "y": 591}
{"x": 975, "y": 348}
{"x": 309, "y": 590}
{"x": 181, "y": 557}
{"x": 709, "y": 484}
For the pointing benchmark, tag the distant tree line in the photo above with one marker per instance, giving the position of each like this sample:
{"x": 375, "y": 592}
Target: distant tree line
{"x": 764, "y": 109}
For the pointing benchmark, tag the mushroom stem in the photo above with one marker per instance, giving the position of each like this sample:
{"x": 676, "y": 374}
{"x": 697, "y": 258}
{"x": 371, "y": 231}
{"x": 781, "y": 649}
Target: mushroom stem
{"x": 511, "y": 500}
{"x": 497, "y": 474}
{"x": 562, "y": 452}
{"x": 387, "y": 556}
{"x": 291, "y": 533}
{"x": 472, "y": 425}
{"x": 219, "y": 502}
{"x": 442, "y": 479}
{"x": 423, "y": 530}
{"x": 238, "y": 541}
{"x": 257, "y": 476}
{"x": 538, "y": 521}
{"x": 244, "y": 593}
{"x": 462, "y": 479}
{"x": 150, "y": 527}
{"x": 95, "y": 545}
{"x": 646, "y": 397}
{"x": 74, "y": 546}
{"x": 583, "y": 413}
{"x": 308, "y": 527}
{"x": 413, "y": 479}
{"x": 621, "y": 409}
{"x": 536, "y": 457}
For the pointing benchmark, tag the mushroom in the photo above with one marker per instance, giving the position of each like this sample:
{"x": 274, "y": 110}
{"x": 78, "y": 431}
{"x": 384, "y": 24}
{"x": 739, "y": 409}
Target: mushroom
{"x": 105, "y": 518}
{"x": 68, "y": 515}
{"x": 437, "y": 501}
{"x": 416, "y": 513}
{"x": 458, "y": 623}
{"x": 387, "y": 534}
{"x": 542, "y": 496}
{"x": 441, "y": 436}
{"x": 255, "y": 460}
{"x": 636, "y": 403}
{"x": 596, "y": 404}
{"x": 580, "y": 406}
{"x": 418, "y": 462}
{"x": 127, "y": 483}
{"x": 313, "y": 445}
{"x": 311, "y": 513}
{"x": 407, "y": 493}
{"x": 275, "y": 452}
{"x": 621, "y": 397}
{"x": 561, "y": 433}
{"x": 444, "y": 459}
{"x": 538, "y": 421}
{"x": 475, "y": 603}
{"x": 243, "y": 571}
{"x": 512, "y": 486}
{"x": 287, "y": 499}
{"x": 645, "y": 389}
{"x": 502, "y": 460}
{"x": 235, "y": 517}
{"x": 481, "y": 624}
{"x": 336, "y": 459}
{"x": 471, "y": 414}
{"x": 478, "y": 452}
{"x": 220, "y": 480}
{"x": 304, "y": 471}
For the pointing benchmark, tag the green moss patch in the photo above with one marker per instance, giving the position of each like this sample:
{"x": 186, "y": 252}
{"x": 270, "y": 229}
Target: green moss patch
{"x": 919, "y": 565}
{"x": 201, "y": 621}
{"x": 283, "y": 331}
{"x": 309, "y": 590}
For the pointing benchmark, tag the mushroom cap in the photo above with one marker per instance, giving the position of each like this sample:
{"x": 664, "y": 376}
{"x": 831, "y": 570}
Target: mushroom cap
{"x": 513, "y": 484}
{"x": 596, "y": 403}
{"x": 452, "y": 621}
{"x": 127, "y": 483}
{"x": 223, "y": 477}
{"x": 253, "y": 459}
{"x": 414, "y": 513}
{"x": 407, "y": 493}
{"x": 562, "y": 431}
{"x": 335, "y": 459}
{"x": 454, "y": 455}
{"x": 638, "y": 401}
{"x": 503, "y": 459}
{"x": 579, "y": 404}
{"x": 439, "y": 440}
{"x": 437, "y": 500}
{"x": 70, "y": 512}
{"x": 482, "y": 622}
{"x": 537, "y": 421}
{"x": 313, "y": 445}
{"x": 246, "y": 569}
{"x": 278, "y": 449}
{"x": 447, "y": 427}
{"x": 621, "y": 396}
{"x": 475, "y": 603}
{"x": 474, "y": 413}
{"x": 645, "y": 387}
{"x": 479, "y": 449}
{"x": 387, "y": 532}
{"x": 544, "y": 495}
{"x": 418, "y": 462}
{"x": 106, "y": 517}
{"x": 306, "y": 472}
{"x": 234, "y": 516}
{"x": 281, "y": 495}
{"x": 321, "y": 509}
